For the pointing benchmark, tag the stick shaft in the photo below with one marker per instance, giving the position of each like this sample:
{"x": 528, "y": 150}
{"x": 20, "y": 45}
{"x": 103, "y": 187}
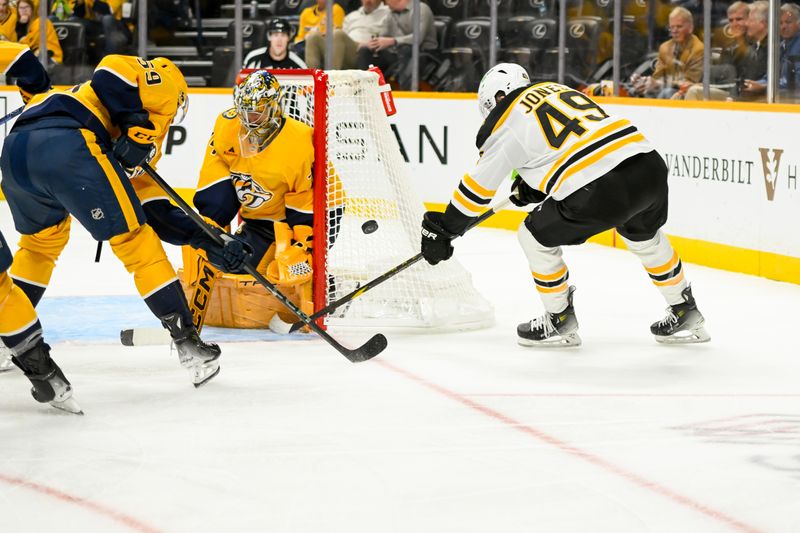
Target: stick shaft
{"x": 396, "y": 270}
{"x": 11, "y": 115}
{"x": 369, "y": 350}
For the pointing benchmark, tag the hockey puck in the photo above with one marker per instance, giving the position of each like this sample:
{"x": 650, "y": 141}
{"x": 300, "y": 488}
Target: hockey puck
{"x": 126, "y": 337}
{"x": 370, "y": 226}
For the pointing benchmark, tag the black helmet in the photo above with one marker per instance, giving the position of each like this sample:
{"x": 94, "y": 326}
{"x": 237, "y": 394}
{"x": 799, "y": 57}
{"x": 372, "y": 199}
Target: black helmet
{"x": 276, "y": 25}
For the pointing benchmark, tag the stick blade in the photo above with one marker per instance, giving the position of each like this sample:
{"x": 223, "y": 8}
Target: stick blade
{"x": 368, "y": 350}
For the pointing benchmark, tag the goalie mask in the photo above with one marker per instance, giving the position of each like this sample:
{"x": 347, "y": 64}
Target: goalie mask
{"x": 258, "y": 106}
{"x": 502, "y": 78}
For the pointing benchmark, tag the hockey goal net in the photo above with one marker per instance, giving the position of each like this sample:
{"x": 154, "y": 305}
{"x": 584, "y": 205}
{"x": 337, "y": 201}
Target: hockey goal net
{"x": 360, "y": 176}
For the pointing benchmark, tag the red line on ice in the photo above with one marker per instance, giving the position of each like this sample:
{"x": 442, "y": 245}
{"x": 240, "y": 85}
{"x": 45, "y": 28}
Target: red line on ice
{"x": 117, "y": 516}
{"x": 576, "y": 452}
{"x": 627, "y": 395}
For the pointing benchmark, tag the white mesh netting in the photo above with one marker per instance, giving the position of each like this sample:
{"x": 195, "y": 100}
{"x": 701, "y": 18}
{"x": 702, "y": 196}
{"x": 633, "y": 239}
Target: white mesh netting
{"x": 367, "y": 180}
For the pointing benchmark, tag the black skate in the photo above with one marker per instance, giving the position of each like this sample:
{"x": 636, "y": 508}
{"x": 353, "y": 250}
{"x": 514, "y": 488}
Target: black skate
{"x": 199, "y": 357}
{"x": 49, "y": 383}
{"x": 551, "y": 330}
{"x": 684, "y": 324}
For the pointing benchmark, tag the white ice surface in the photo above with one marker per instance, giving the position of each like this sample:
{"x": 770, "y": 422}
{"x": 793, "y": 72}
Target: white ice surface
{"x": 442, "y": 433}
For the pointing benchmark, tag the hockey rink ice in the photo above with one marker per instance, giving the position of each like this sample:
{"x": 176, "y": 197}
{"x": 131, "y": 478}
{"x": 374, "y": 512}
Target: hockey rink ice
{"x": 465, "y": 432}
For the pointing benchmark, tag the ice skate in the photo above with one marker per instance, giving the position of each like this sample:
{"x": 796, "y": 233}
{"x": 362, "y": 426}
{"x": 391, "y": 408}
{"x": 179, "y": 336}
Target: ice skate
{"x": 552, "y": 330}
{"x": 684, "y": 324}
{"x": 200, "y": 358}
{"x": 49, "y": 383}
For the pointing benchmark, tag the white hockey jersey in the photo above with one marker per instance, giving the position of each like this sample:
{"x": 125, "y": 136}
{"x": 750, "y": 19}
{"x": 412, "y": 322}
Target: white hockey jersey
{"x": 556, "y": 138}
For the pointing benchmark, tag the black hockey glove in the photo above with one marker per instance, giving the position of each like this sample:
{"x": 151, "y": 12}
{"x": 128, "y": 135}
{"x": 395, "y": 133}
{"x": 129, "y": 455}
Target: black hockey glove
{"x": 523, "y": 194}
{"x": 130, "y": 153}
{"x": 228, "y": 257}
{"x": 436, "y": 245}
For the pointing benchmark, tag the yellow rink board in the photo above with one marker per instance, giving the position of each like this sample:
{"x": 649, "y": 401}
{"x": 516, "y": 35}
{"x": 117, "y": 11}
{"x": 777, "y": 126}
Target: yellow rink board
{"x": 722, "y": 256}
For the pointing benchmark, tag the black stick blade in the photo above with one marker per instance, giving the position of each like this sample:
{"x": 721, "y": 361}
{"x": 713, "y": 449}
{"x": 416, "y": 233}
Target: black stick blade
{"x": 368, "y": 350}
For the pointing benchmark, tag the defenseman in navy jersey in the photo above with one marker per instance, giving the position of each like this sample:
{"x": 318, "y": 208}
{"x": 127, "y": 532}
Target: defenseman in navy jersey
{"x": 588, "y": 172}
{"x": 88, "y": 143}
{"x": 20, "y": 329}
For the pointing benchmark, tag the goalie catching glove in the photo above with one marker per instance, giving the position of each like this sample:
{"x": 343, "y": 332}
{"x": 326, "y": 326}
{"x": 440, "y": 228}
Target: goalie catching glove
{"x": 436, "y": 241}
{"x": 523, "y": 194}
{"x": 292, "y": 263}
{"x": 228, "y": 257}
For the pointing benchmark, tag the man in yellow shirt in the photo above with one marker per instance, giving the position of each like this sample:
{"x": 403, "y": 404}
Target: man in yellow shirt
{"x": 314, "y": 18}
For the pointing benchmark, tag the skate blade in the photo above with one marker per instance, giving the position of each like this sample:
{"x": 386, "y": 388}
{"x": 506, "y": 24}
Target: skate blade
{"x": 695, "y": 336}
{"x": 570, "y": 340}
{"x": 69, "y": 405}
{"x": 201, "y": 378}
{"x": 277, "y": 325}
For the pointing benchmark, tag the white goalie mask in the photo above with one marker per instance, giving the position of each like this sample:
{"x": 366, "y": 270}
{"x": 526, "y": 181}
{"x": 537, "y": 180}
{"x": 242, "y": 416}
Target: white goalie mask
{"x": 501, "y": 78}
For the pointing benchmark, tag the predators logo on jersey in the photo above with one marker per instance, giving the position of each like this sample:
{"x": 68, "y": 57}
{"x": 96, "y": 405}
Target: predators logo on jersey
{"x": 251, "y": 195}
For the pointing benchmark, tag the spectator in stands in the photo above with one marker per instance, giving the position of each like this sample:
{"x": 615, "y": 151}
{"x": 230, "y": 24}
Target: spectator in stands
{"x": 28, "y": 30}
{"x": 724, "y": 71}
{"x": 391, "y": 50}
{"x": 313, "y": 20}
{"x": 751, "y": 69}
{"x": 276, "y": 54}
{"x": 359, "y": 27}
{"x": 680, "y": 60}
{"x": 790, "y": 47}
{"x": 102, "y": 18}
{"x": 8, "y": 21}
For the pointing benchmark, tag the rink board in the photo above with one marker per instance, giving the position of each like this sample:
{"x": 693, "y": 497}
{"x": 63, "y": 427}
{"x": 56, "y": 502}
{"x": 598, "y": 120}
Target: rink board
{"x": 733, "y": 168}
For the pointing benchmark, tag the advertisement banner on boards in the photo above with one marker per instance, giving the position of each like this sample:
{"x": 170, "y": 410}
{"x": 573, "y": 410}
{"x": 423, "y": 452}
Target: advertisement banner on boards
{"x": 733, "y": 173}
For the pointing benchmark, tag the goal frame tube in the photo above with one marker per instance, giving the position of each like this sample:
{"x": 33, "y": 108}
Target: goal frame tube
{"x": 319, "y": 79}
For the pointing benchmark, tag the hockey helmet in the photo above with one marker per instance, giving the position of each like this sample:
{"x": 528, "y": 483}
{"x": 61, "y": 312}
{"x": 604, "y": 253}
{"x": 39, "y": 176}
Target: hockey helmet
{"x": 501, "y": 78}
{"x": 167, "y": 69}
{"x": 277, "y": 25}
{"x": 258, "y": 105}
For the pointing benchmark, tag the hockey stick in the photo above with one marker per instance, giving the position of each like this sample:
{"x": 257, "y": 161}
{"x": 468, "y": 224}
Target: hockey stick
{"x": 11, "y": 115}
{"x": 391, "y": 273}
{"x": 368, "y": 350}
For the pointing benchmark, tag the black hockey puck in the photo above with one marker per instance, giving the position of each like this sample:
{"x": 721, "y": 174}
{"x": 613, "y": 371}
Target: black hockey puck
{"x": 126, "y": 337}
{"x": 370, "y": 226}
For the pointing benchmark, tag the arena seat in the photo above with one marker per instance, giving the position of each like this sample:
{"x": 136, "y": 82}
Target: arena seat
{"x": 535, "y": 8}
{"x": 254, "y": 34}
{"x": 582, "y": 42}
{"x": 482, "y": 8}
{"x": 526, "y": 38}
{"x": 468, "y": 51}
{"x": 455, "y": 9}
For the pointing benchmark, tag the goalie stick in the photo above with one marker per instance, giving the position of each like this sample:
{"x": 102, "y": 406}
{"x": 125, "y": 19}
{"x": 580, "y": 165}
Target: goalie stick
{"x": 347, "y": 298}
{"x": 11, "y": 115}
{"x": 375, "y": 345}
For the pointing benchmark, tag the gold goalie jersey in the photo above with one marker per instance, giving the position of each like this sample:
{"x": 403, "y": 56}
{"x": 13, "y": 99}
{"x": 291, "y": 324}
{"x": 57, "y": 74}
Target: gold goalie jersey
{"x": 556, "y": 138}
{"x": 273, "y": 185}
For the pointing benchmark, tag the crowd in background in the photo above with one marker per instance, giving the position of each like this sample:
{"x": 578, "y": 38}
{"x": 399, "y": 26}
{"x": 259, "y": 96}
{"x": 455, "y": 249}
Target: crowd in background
{"x": 662, "y": 40}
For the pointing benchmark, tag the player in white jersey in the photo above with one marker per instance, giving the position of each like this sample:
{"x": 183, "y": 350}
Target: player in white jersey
{"x": 588, "y": 172}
